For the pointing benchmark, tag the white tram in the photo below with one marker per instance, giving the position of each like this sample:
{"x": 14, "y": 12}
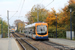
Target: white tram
{"x": 37, "y": 30}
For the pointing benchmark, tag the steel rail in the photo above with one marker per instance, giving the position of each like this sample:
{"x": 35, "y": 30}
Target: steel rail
{"x": 27, "y": 43}
{"x": 30, "y": 44}
{"x": 20, "y": 42}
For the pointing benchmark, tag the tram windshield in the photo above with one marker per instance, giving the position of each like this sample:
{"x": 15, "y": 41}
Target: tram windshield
{"x": 42, "y": 29}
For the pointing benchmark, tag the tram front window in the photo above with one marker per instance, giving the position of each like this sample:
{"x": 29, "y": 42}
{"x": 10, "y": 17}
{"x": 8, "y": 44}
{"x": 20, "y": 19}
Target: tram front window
{"x": 41, "y": 30}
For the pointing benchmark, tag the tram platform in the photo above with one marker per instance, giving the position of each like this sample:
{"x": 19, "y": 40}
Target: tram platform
{"x": 8, "y": 44}
{"x": 65, "y": 42}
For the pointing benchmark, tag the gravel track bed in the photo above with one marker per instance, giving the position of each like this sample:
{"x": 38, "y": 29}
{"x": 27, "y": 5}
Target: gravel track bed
{"x": 19, "y": 35}
{"x": 39, "y": 45}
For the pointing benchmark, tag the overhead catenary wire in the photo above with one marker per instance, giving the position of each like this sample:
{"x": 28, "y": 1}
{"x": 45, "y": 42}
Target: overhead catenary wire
{"x": 49, "y": 3}
{"x": 21, "y": 7}
{"x": 17, "y": 10}
{"x": 41, "y": 1}
{"x": 38, "y": 11}
{"x": 14, "y": 14}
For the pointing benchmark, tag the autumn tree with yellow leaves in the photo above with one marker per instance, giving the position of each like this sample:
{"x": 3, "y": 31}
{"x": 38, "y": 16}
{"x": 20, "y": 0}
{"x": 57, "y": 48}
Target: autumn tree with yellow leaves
{"x": 63, "y": 21}
{"x": 51, "y": 19}
{"x": 20, "y": 25}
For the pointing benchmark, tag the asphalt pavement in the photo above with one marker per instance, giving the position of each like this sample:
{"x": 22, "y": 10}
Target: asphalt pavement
{"x": 66, "y": 42}
{"x": 8, "y": 44}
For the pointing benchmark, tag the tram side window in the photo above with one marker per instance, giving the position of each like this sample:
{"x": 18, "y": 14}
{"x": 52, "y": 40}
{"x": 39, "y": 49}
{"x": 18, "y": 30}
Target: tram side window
{"x": 25, "y": 31}
{"x": 30, "y": 31}
{"x": 34, "y": 30}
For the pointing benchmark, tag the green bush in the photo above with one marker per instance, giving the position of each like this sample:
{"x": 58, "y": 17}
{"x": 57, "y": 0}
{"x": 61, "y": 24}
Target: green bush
{"x": 61, "y": 32}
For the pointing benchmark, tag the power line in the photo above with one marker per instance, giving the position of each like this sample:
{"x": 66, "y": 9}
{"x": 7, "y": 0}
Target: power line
{"x": 13, "y": 15}
{"x": 49, "y": 3}
{"x": 21, "y": 7}
{"x": 19, "y": 4}
{"x": 41, "y": 1}
{"x": 17, "y": 10}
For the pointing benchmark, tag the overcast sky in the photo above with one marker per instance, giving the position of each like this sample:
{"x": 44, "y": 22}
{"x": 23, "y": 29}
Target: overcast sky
{"x": 16, "y": 5}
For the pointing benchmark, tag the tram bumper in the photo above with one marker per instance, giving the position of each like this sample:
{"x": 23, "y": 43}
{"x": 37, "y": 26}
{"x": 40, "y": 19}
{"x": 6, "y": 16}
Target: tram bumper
{"x": 39, "y": 37}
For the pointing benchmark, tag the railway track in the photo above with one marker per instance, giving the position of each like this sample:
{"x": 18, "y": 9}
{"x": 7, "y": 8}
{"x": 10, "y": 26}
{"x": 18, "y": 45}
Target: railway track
{"x": 61, "y": 47}
{"x": 24, "y": 44}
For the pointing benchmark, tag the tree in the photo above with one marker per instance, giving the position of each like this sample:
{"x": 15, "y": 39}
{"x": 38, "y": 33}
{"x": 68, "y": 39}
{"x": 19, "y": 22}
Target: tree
{"x": 16, "y": 22}
{"x": 51, "y": 19}
{"x": 5, "y": 27}
{"x": 64, "y": 17}
{"x": 71, "y": 1}
{"x": 37, "y": 10}
{"x": 20, "y": 25}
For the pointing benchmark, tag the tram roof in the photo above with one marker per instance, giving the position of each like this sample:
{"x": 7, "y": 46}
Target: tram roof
{"x": 31, "y": 25}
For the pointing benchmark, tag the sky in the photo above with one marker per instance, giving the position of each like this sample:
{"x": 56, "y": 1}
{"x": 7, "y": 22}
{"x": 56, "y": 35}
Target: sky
{"x": 24, "y": 6}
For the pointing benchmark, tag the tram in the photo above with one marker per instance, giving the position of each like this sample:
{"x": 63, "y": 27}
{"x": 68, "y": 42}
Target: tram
{"x": 37, "y": 30}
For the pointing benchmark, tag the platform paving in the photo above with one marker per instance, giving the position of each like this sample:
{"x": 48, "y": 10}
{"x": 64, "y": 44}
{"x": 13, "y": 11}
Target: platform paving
{"x": 8, "y": 44}
{"x": 65, "y": 42}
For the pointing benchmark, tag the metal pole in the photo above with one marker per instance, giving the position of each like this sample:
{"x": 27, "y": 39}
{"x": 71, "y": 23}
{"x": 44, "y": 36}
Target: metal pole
{"x": 23, "y": 26}
{"x": 17, "y": 27}
{"x": 56, "y": 26}
{"x": 2, "y": 28}
{"x": 8, "y": 21}
{"x": 70, "y": 23}
{"x": 20, "y": 29}
{"x": 37, "y": 15}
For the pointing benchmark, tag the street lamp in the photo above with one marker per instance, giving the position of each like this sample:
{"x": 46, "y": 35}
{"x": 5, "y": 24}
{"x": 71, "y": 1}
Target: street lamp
{"x": 56, "y": 25}
{"x": 70, "y": 23}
